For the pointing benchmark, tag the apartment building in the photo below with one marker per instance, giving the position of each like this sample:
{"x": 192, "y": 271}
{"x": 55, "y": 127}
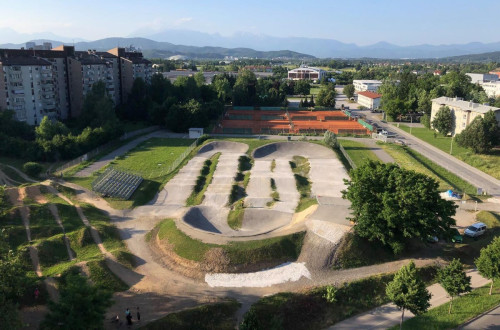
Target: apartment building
{"x": 67, "y": 77}
{"x": 492, "y": 88}
{"x": 27, "y": 88}
{"x": 366, "y": 85}
{"x": 464, "y": 112}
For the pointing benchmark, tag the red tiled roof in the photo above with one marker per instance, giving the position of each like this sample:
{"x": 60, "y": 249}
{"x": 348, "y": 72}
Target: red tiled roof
{"x": 370, "y": 95}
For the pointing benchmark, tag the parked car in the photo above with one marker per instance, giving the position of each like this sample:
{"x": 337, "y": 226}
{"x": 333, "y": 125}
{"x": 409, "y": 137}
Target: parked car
{"x": 475, "y": 230}
{"x": 456, "y": 237}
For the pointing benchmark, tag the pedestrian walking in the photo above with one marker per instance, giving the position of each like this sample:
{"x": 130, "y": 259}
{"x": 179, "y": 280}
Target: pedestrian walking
{"x": 138, "y": 314}
{"x": 37, "y": 293}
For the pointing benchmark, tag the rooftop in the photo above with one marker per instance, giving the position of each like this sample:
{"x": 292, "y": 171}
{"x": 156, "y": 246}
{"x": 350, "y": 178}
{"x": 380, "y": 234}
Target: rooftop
{"x": 306, "y": 68}
{"x": 370, "y": 95}
{"x": 367, "y": 81}
{"x": 23, "y": 60}
{"x": 464, "y": 105}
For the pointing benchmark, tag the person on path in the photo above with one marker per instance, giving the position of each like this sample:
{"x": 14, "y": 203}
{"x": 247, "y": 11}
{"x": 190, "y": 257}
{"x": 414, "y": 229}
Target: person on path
{"x": 37, "y": 293}
{"x": 138, "y": 314}
{"x": 128, "y": 316}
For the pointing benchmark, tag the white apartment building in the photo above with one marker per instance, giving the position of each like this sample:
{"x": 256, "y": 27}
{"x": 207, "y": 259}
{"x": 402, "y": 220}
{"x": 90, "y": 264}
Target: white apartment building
{"x": 28, "y": 88}
{"x": 366, "y": 85}
{"x": 477, "y": 78}
{"x": 464, "y": 112}
{"x": 369, "y": 100}
{"x": 492, "y": 88}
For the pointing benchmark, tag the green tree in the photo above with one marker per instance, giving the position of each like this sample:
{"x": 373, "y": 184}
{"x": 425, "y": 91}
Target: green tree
{"x": 443, "y": 121}
{"x": 81, "y": 306}
{"x": 326, "y": 96}
{"x": 223, "y": 89}
{"x": 488, "y": 262}
{"x": 482, "y": 135}
{"x": 408, "y": 292}
{"x": 98, "y": 108}
{"x": 391, "y": 205}
{"x": 454, "y": 280}
{"x": 48, "y": 129}
{"x": 12, "y": 284}
{"x": 426, "y": 121}
{"x": 245, "y": 89}
{"x": 302, "y": 87}
{"x": 349, "y": 90}
{"x": 330, "y": 139}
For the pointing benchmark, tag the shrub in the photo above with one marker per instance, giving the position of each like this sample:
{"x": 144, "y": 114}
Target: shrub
{"x": 32, "y": 168}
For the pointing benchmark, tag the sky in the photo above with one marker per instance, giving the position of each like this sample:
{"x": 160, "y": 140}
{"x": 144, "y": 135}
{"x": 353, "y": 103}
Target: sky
{"x": 362, "y": 22}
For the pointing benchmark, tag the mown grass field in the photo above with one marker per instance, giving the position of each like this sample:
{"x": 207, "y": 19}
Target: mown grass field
{"x": 489, "y": 164}
{"x": 284, "y": 248}
{"x": 153, "y": 157}
{"x": 412, "y": 160}
{"x": 465, "y": 308}
{"x": 358, "y": 151}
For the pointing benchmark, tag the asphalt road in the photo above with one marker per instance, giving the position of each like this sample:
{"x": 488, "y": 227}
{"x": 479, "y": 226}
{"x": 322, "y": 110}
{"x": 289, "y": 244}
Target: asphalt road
{"x": 452, "y": 164}
{"x": 490, "y": 321}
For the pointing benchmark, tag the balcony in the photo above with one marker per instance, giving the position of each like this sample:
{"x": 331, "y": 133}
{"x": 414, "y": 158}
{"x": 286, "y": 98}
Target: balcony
{"x": 47, "y": 83}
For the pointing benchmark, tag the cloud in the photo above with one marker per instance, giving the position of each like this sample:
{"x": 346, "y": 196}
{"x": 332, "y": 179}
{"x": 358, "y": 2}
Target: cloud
{"x": 182, "y": 20}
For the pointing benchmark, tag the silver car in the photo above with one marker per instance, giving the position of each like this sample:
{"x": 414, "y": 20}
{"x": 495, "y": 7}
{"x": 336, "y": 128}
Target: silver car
{"x": 475, "y": 230}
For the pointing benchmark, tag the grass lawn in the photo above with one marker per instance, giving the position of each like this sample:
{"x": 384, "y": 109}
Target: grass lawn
{"x": 235, "y": 216}
{"x": 489, "y": 164}
{"x": 358, "y": 151}
{"x": 214, "y": 316}
{"x": 411, "y": 160}
{"x": 314, "y": 91}
{"x": 310, "y": 310}
{"x": 464, "y": 308}
{"x": 153, "y": 157}
{"x": 284, "y": 248}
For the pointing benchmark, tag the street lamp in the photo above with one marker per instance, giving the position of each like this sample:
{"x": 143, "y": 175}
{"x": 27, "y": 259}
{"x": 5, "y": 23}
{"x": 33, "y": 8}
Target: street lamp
{"x": 451, "y": 144}
{"x": 411, "y": 125}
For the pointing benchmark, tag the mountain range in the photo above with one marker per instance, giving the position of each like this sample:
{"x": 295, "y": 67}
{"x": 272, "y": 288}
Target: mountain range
{"x": 205, "y": 45}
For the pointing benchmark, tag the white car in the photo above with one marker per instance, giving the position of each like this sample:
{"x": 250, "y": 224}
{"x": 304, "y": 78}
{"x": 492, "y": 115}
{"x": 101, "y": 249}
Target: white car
{"x": 475, "y": 230}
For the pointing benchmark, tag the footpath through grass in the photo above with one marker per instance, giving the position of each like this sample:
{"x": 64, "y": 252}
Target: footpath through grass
{"x": 412, "y": 160}
{"x": 489, "y": 164}
{"x": 358, "y": 151}
{"x": 284, "y": 248}
{"x": 310, "y": 310}
{"x": 215, "y": 316}
{"x": 464, "y": 309}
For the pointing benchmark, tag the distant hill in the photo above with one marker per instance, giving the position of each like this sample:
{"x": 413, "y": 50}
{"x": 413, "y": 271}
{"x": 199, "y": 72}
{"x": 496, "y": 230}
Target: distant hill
{"x": 475, "y": 58}
{"x": 155, "y": 49}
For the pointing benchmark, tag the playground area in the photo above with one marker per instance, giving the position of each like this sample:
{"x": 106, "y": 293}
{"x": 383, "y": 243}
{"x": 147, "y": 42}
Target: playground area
{"x": 245, "y": 121}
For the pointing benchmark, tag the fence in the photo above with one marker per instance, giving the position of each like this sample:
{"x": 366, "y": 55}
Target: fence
{"x": 98, "y": 150}
{"x": 349, "y": 160}
{"x": 365, "y": 124}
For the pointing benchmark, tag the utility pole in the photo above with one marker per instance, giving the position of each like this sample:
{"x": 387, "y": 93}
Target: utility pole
{"x": 411, "y": 119}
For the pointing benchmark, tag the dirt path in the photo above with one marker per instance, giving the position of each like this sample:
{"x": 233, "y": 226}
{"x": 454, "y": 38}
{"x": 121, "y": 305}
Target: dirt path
{"x": 21, "y": 174}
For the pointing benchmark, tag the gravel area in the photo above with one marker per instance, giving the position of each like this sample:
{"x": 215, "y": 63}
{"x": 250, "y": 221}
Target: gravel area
{"x": 280, "y": 274}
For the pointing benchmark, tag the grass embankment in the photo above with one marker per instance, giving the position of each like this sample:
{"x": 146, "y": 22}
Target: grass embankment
{"x": 465, "y": 308}
{"x": 310, "y": 310}
{"x": 203, "y": 180}
{"x": 412, "y": 160}
{"x": 214, "y": 316}
{"x": 12, "y": 174}
{"x": 486, "y": 163}
{"x": 300, "y": 168}
{"x": 238, "y": 193}
{"x": 284, "y": 248}
{"x": 274, "y": 193}
{"x": 358, "y": 152}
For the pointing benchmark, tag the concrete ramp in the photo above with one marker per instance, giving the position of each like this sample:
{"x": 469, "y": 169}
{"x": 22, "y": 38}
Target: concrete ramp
{"x": 259, "y": 187}
{"x": 327, "y": 177}
{"x": 217, "y": 194}
{"x": 290, "y": 149}
{"x": 208, "y": 219}
{"x": 286, "y": 187}
{"x": 258, "y": 221}
{"x": 223, "y": 146}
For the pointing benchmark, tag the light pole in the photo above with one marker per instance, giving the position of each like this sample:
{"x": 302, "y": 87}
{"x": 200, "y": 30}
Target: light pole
{"x": 451, "y": 144}
{"x": 411, "y": 125}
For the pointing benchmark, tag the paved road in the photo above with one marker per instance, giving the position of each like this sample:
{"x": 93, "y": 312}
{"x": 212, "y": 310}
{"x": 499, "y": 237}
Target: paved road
{"x": 452, "y": 164}
{"x": 388, "y": 315}
{"x": 490, "y": 321}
